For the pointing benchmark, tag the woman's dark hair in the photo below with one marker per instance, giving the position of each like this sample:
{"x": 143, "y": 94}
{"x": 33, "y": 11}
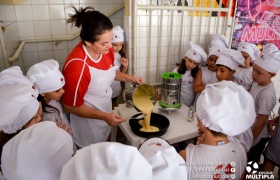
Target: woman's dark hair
{"x": 182, "y": 68}
{"x": 93, "y": 23}
{"x": 45, "y": 106}
{"x": 219, "y": 65}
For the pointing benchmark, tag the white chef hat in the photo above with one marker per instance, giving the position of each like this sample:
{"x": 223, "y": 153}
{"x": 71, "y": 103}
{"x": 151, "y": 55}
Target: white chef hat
{"x": 118, "y": 34}
{"x": 270, "y": 59}
{"x": 107, "y": 160}
{"x": 219, "y": 40}
{"x": 230, "y": 58}
{"x": 46, "y": 76}
{"x": 14, "y": 76}
{"x": 226, "y": 107}
{"x": 18, "y": 103}
{"x": 38, "y": 152}
{"x": 196, "y": 53}
{"x": 215, "y": 50}
{"x": 164, "y": 159}
{"x": 249, "y": 48}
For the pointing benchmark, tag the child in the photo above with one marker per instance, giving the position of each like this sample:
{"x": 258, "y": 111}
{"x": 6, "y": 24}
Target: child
{"x": 219, "y": 40}
{"x": 19, "y": 107}
{"x": 207, "y": 75}
{"x": 49, "y": 81}
{"x": 223, "y": 109}
{"x": 243, "y": 74}
{"x": 271, "y": 153}
{"x": 107, "y": 160}
{"x": 39, "y": 152}
{"x": 264, "y": 95}
{"x": 188, "y": 68}
{"x": 227, "y": 63}
{"x": 165, "y": 161}
{"x": 120, "y": 60}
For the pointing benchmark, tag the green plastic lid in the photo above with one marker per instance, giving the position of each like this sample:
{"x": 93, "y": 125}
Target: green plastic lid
{"x": 171, "y": 75}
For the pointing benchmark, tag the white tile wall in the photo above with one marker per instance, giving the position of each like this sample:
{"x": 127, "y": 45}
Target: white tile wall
{"x": 40, "y": 12}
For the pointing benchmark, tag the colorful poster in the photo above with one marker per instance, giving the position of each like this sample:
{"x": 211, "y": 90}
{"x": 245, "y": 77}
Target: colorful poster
{"x": 258, "y": 22}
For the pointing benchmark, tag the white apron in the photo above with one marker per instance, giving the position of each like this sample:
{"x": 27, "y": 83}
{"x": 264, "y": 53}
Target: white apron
{"x": 88, "y": 131}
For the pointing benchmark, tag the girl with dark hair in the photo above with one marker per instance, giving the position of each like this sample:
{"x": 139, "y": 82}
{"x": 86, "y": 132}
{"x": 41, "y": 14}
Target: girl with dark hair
{"x": 120, "y": 60}
{"x": 89, "y": 71}
{"x": 188, "y": 68}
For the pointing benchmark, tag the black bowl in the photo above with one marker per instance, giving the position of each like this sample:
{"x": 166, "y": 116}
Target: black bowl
{"x": 157, "y": 120}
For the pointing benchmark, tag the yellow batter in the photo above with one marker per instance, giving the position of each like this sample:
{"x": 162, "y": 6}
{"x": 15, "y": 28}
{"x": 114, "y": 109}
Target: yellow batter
{"x": 143, "y": 102}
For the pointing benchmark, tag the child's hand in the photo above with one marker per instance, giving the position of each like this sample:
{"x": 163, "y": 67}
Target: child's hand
{"x": 270, "y": 125}
{"x": 124, "y": 62}
{"x": 63, "y": 126}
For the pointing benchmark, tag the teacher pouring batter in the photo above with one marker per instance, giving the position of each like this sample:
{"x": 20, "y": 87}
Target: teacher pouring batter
{"x": 89, "y": 71}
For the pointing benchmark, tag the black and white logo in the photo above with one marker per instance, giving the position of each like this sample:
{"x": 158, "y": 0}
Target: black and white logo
{"x": 252, "y": 167}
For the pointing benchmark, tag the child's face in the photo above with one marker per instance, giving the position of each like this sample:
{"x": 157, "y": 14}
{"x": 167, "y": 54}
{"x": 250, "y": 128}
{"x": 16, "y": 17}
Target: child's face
{"x": 223, "y": 73}
{"x": 190, "y": 64}
{"x": 261, "y": 76}
{"x": 247, "y": 59}
{"x": 212, "y": 62}
{"x": 117, "y": 46}
{"x": 55, "y": 95}
{"x": 36, "y": 118}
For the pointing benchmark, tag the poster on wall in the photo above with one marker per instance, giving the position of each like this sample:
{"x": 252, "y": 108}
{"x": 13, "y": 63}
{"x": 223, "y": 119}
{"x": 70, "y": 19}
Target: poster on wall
{"x": 258, "y": 22}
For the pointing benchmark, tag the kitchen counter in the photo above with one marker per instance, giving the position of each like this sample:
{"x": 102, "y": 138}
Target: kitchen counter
{"x": 179, "y": 130}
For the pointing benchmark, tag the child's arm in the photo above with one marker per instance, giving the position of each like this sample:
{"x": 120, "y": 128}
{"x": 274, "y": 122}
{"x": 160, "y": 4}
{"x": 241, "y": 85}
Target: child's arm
{"x": 183, "y": 154}
{"x": 124, "y": 66}
{"x": 271, "y": 124}
{"x": 198, "y": 86}
{"x": 260, "y": 124}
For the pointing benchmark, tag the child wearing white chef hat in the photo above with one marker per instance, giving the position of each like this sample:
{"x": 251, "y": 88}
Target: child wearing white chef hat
{"x": 227, "y": 64}
{"x": 188, "y": 68}
{"x": 19, "y": 107}
{"x": 243, "y": 74}
{"x": 223, "y": 109}
{"x": 207, "y": 74}
{"x": 39, "y": 152}
{"x": 219, "y": 40}
{"x": 107, "y": 161}
{"x": 165, "y": 161}
{"x": 263, "y": 92}
{"x": 120, "y": 60}
{"x": 49, "y": 81}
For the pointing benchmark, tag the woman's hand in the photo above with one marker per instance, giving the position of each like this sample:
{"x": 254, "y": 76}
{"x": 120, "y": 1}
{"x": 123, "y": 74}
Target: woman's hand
{"x": 137, "y": 80}
{"x": 114, "y": 119}
{"x": 63, "y": 126}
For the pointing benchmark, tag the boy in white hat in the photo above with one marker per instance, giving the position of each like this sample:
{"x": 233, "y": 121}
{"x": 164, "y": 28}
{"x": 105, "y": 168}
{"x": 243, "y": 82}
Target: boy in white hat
{"x": 49, "y": 81}
{"x": 120, "y": 60}
{"x": 165, "y": 161}
{"x": 223, "y": 109}
{"x": 38, "y": 152}
{"x": 207, "y": 74}
{"x": 264, "y": 95}
{"x": 227, "y": 64}
{"x": 243, "y": 74}
{"x": 19, "y": 107}
{"x": 188, "y": 68}
{"x": 107, "y": 161}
